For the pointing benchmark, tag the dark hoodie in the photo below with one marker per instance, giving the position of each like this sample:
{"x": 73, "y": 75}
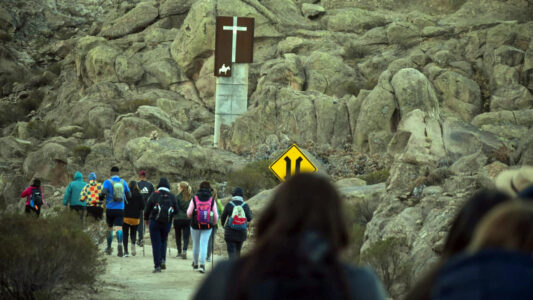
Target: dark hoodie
{"x": 163, "y": 190}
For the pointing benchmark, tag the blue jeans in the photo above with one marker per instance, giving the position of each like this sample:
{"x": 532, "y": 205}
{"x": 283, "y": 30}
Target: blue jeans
{"x": 200, "y": 239}
{"x": 159, "y": 236}
{"x": 234, "y": 249}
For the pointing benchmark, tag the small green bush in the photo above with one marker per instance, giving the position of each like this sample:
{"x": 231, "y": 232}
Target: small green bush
{"x": 357, "y": 236}
{"x": 81, "y": 152}
{"x": 40, "y": 258}
{"x": 364, "y": 211}
{"x": 253, "y": 178}
{"x": 42, "y": 129}
{"x": 376, "y": 176}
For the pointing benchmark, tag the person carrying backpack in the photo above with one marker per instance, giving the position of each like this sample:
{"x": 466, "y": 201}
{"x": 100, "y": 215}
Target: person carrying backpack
{"x": 146, "y": 188}
{"x": 73, "y": 195}
{"x": 132, "y": 216}
{"x": 90, "y": 195}
{"x": 34, "y": 197}
{"x": 182, "y": 224}
{"x": 115, "y": 190}
{"x": 237, "y": 214}
{"x": 158, "y": 214}
{"x": 202, "y": 222}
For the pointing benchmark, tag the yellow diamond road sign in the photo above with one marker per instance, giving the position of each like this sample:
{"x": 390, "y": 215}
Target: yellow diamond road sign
{"x": 291, "y": 162}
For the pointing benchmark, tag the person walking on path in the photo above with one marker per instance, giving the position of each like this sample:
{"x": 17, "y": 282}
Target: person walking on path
{"x": 90, "y": 195}
{"x": 34, "y": 197}
{"x": 132, "y": 216}
{"x": 146, "y": 189}
{"x": 115, "y": 190}
{"x": 236, "y": 228}
{"x": 158, "y": 214}
{"x": 220, "y": 207}
{"x": 199, "y": 210}
{"x": 297, "y": 251}
{"x": 73, "y": 195}
{"x": 182, "y": 224}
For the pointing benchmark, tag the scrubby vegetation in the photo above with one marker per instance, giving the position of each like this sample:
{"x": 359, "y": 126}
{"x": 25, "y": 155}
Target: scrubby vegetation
{"x": 40, "y": 258}
{"x": 42, "y": 129}
{"x": 81, "y": 152}
{"x": 375, "y": 177}
{"x": 253, "y": 178}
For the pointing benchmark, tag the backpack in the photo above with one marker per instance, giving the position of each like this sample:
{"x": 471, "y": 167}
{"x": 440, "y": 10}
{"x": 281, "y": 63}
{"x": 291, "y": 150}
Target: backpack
{"x": 118, "y": 190}
{"x": 36, "y": 199}
{"x": 203, "y": 211}
{"x": 163, "y": 208}
{"x": 238, "y": 219}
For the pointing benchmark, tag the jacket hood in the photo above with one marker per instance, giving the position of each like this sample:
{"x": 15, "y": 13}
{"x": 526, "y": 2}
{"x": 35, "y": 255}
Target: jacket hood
{"x": 204, "y": 194}
{"x": 163, "y": 183}
{"x": 237, "y": 198}
{"x": 78, "y": 176}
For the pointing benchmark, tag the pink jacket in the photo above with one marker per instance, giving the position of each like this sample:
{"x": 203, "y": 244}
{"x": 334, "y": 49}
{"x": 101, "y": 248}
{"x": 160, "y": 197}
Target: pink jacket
{"x": 27, "y": 194}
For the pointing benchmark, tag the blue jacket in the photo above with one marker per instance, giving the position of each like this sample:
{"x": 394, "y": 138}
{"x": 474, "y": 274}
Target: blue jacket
{"x": 487, "y": 275}
{"x": 109, "y": 203}
{"x": 73, "y": 191}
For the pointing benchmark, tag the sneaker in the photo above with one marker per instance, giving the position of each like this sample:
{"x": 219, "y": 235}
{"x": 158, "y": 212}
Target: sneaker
{"x": 108, "y": 250}
{"x": 120, "y": 254}
{"x": 208, "y": 259}
{"x": 184, "y": 256}
{"x": 157, "y": 270}
{"x": 140, "y": 242}
{"x": 126, "y": 254}
{"x": 179, "y": 254}
{"x": 133, "y": 252}
{"x": 201, "y": 269}
{"x": 195, "y": 267}
{"x": 163, "y": 266}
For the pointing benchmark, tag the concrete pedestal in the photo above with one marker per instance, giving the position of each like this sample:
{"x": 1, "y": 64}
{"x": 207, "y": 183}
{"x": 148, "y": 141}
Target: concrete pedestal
{"x": 231, "y": 98}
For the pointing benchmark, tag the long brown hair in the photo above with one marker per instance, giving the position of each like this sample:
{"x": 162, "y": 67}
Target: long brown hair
{"x": 186, "y": 190}
{"x": 296, "y": 212}
{"x": 507, "y": 227}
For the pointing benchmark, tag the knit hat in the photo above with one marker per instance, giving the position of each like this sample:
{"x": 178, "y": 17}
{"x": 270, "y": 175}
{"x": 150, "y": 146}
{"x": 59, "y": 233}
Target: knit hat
{"x": 114, "y": 169}
{"x": 163, "y": 182}
{"x": 515, "y": 180}
{"x": 237, "y": 191}
{"x": 92, "y": 176}
{"x": 142, "y": 173}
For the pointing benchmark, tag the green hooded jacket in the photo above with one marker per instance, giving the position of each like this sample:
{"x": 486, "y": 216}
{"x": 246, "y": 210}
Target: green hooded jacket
{"x": 73, "y": 191}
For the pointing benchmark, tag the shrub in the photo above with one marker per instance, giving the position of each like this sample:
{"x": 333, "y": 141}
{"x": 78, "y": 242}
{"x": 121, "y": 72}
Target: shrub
{"x": 39, "y": 258}
{"x": 253, "y": 178}
{"x": 375, "y": 177}
{"x": 386, "y": 258}
{"x": 364, "y": 211}
{"x": 81, "y": 152}
{"x": 41, "y": 129}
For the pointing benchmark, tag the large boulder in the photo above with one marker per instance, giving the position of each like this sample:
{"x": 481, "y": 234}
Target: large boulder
{"x": 353, "y": 20}
{"x": 100, "y": 63}
{"x": 414, "y": 91}
{"x": 129, "y": 69}
{"x": 134, "y": 21}
{"x": 174, "y": 7}
{"x": 181, "y": 159}
{"x": 515, "y": 97}
{"x": 49, "y": 163}
{"x": 460, "y": 94}
{"x": 505, "y": 124}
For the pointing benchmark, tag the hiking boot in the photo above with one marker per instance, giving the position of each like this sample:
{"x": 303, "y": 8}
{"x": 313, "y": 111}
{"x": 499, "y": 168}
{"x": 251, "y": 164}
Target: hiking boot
{"x": 201, "y": 269}
{"x": 140, "y": 243}
{"x": 195, "y": 267}
{"x": 108, "y": 250}
{"x": 163, "y": 266}
{"x": 157, "y": 270}
{"x": 126, "y": 254}
{"x": 133, "y": 252}
{"x": 184, "y": 256}
{"x": 120, "y": 254}
{"x": 179, "y": 254}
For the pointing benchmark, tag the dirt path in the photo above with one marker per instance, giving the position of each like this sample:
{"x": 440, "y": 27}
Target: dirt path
{"x": 132, "y": 278}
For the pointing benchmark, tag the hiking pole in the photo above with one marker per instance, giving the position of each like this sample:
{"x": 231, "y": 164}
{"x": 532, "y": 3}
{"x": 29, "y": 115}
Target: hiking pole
{"x": 142, "y": 238}
{"x": 213, "y": 251}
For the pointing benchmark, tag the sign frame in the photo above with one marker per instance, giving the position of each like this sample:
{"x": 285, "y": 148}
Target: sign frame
{"x": 284, "y": 156}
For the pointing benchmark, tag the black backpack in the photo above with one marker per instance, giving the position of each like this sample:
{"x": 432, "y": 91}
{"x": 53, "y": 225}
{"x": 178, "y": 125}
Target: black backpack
{"x": 36, "y": 199}
{"x": 163, "y": 211}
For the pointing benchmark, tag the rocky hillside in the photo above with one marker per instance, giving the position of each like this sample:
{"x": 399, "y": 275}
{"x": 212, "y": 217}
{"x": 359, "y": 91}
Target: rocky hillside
{"x": 438, "y": 92}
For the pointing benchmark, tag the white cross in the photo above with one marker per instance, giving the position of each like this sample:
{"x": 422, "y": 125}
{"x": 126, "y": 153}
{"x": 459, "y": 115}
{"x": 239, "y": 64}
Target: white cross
{"x": 234, "y": 28}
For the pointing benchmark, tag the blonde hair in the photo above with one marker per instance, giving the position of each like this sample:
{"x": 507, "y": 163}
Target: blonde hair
{"x": 508, "y": 226}
{"x": 186, "y": 190}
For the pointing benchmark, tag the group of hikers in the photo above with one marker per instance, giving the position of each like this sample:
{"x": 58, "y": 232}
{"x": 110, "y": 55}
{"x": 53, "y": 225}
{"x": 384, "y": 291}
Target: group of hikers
{"x": 130, "y": 206}
{"x": 303, "y": 230}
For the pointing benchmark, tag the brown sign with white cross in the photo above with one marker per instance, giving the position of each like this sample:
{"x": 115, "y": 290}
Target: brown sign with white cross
{"x": 234, "y": 43}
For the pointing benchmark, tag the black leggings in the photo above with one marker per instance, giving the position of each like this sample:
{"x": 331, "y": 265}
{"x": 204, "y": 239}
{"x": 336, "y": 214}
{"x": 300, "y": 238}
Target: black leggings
{"x": 127, "y": 232}
{"x": 28, "y": 210}
{"x": 185, "y": 227}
